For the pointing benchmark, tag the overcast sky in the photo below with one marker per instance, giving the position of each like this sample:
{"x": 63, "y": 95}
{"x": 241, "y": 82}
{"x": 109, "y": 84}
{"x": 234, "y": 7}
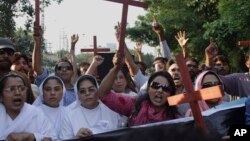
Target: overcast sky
{"x": 86, "y": 18}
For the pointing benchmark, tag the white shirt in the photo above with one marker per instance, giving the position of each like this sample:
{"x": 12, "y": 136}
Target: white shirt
{"x": 98, "y": 120}
{"x": 30, "y": 119}
{"x": 55, "y": 116}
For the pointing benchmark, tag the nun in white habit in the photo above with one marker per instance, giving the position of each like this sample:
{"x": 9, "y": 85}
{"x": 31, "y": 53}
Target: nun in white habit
{"x": 18, "y": 119}
{"x": 87, "y": 115}
{"x": 50, "y": 101}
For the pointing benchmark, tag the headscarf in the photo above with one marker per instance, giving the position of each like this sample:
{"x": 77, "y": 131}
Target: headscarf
{"x": 39, "y": 100}
{"x": 77, "y": 103}
{"x": 198, "y": 85}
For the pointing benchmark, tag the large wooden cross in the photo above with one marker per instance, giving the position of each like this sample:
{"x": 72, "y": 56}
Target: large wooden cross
{"x": 37, "y": 12}
{"x": 95, "y": 49}
{"x": 126, "y": 3}
{"x": 192, "y": 96}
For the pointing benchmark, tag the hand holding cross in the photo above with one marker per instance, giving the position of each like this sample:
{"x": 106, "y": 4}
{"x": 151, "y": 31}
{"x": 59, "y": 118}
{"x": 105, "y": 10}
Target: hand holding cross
{"x": 192, "y": 96}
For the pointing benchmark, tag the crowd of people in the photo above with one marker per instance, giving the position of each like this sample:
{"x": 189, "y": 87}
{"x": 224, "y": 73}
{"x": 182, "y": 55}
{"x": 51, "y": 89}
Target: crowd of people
{"x": 71, "y": 103}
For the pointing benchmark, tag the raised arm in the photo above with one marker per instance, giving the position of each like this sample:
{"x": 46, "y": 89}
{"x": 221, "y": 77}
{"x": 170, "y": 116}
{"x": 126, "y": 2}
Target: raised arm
{"x": 96, "y": 61}
{"x": 108, "y": 80}
{"x": 74, "y": 40}
{"x": 138, "y": 51}
{"x": 182, "y": 40}
{"x": 36, "y": 57}
{"x": 133, "y": 68}
{"x": 210, "y": 52}
{"x": 158, "y": 29}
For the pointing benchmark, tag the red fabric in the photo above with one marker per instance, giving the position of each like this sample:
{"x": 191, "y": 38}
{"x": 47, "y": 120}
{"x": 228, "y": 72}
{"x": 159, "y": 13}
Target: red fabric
{"x": 125, "y": 105}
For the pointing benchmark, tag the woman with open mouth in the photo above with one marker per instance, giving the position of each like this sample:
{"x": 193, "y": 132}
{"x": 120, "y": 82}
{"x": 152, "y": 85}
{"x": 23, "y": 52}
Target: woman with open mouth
{"x": 19, "y": 120}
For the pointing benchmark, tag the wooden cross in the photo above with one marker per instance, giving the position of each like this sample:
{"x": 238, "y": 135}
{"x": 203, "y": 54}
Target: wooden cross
{"x": 95, "y": 50}
{"x": 192, "y": 96}
{"x": 37, "y": 12}
{"x": 244, "y": 43}
{"x": 126, "y": 3}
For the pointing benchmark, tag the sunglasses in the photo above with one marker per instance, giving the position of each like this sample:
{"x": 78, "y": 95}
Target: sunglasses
{"x": 165, "y": 88}
{"x": 210, "y": 84}
{"x": 64, "y": 68}
{"x": 8, "y": 51}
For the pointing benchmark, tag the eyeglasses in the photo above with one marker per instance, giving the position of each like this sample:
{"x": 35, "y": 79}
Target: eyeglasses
{"x": 156, "y": 85}
{"x": 63, "y": 68}
{"x": 87, "y": 91}
{"x": 210, "y": 84}
{"x": 12, "y": 89}
{"x": 6, "y": 50}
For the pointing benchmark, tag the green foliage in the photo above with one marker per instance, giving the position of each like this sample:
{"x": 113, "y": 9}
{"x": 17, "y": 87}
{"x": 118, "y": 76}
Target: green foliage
{"x": 23, "y": 41}
{"x": 16, "y": 8}
{"x": 83, "y": 57}
{"x": 226, "y": 21}
{"x": 7, "y": 24}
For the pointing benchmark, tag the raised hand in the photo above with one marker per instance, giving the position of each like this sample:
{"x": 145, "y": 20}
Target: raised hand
{"x": 138, "y": 48}
{"x": 212, "y": 50}
{"x": 97, "y": 60}
{"x": 74, "y": 39}
{"x": 118, "y": 61}
{"x": 37, "y": 33}
{"x": 118, "y": 31}
{"x": 83, "y": 132}
{"x": 181, "y": 38}
{"x": 157, "y": 27}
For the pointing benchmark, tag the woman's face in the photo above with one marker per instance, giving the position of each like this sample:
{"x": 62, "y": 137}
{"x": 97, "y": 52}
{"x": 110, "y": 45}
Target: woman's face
{"x": 210, "y": 80}
{"x": 87, "y": 94}
{"x": 120, "y": 83}
{"x": 13, "y": 95}
{"x": 52, "y": 93}
{"x": 64, "y": 71}
{"x": 159, "y": 91}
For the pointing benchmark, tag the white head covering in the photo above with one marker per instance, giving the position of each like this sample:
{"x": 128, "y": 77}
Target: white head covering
{"x": 83, "y": 77}
{"x": 39, "y": 100}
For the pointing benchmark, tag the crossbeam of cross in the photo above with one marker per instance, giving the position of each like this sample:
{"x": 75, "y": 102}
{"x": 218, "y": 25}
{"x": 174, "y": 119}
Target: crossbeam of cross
{"x": 192, "y": 96}
{"x": 126, "y": 3}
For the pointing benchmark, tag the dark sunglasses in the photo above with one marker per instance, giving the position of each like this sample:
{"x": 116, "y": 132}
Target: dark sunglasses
{"x": 210, "y": 84}
{"x": 10, "y": 52}
{"x": 63, "y": 68}
{"x": 156, "y": 85}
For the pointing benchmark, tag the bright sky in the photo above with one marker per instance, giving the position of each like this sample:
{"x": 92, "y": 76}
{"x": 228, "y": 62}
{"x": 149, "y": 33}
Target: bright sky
{"x": 86, "y": 18}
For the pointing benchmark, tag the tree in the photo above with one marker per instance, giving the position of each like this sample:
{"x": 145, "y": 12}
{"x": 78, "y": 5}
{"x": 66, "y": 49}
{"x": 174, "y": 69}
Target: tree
{"x": 15, "y": 8}
{"x": 24, "y": 41}
{"x": 225, "y": 20}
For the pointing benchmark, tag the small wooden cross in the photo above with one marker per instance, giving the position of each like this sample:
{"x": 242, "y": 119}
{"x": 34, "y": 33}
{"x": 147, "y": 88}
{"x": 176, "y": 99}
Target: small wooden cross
{"x": 37, "y": 12}
{"x": 244, "y": 43}
{"x": 95, "y": 49}
{"x": 192, "y": 96}
{"x": 126, "y": 3}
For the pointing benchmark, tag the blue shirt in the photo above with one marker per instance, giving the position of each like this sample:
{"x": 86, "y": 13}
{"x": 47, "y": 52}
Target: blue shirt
{"x": 247, "y": 114}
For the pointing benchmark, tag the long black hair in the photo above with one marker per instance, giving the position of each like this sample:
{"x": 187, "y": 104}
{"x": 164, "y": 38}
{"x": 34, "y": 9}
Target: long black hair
{"x": 170, "y": 110}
